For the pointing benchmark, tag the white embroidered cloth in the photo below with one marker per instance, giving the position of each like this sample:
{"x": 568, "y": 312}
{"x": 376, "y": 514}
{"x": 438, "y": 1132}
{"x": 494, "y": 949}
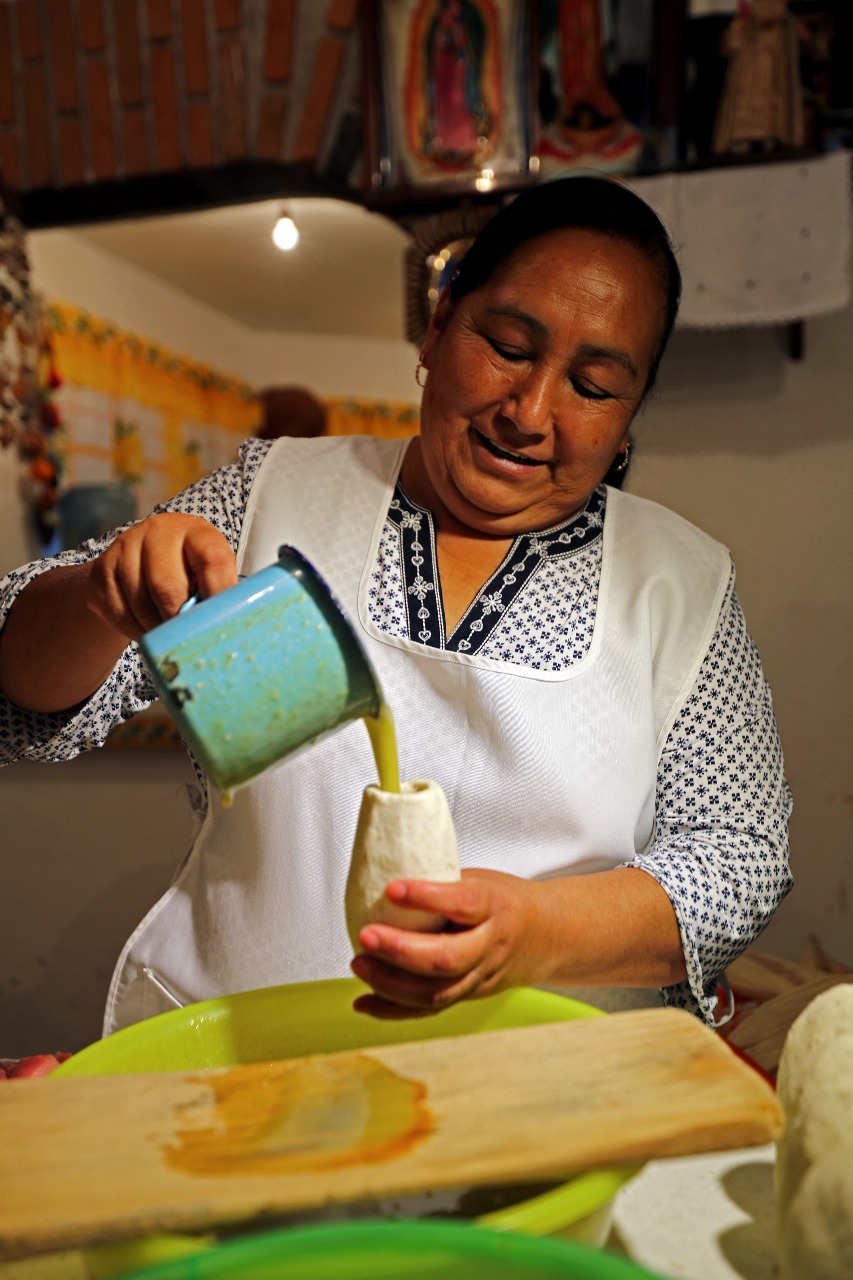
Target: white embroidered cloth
{"x": 758, "y": 244}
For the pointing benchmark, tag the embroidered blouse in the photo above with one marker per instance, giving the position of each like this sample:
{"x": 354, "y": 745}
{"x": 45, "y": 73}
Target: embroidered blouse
{"x": 719, "y": 848}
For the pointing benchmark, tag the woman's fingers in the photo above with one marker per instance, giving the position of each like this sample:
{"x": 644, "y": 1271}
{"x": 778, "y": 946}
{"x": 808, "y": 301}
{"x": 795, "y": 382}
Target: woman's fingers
{"x": 439, "y": 955}
{"x": 211, "y": 561}
{"x": 151, "y": 569}
{"x": 420, "y": 971}
{"x": 464, "y": 902}
{"x": 182, "y": 556}
{"x": 409, "y": 990}
{"x": 485, "y": 948}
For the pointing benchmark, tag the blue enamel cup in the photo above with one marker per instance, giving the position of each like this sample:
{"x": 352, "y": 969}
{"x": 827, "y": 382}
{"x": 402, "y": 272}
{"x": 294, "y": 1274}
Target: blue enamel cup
{"x": 258, "y": 671}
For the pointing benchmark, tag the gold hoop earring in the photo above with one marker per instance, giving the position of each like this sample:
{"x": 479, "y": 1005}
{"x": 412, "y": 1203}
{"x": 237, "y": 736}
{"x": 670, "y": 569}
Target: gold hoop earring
{"x": 418, "y": 367}
{"x": 626, "y": 453}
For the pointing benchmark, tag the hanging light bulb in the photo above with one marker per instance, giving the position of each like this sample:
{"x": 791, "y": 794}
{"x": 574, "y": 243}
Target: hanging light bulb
{"x": 285, "y": 235}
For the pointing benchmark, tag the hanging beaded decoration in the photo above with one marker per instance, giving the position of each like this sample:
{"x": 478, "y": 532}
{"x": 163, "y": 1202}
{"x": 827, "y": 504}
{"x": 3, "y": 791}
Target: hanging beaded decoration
{"x": 29, "y": 417}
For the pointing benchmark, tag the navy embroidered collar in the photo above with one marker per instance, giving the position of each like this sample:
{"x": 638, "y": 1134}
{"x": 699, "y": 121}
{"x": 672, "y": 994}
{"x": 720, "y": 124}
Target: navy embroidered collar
{"x": 420, "y": 570}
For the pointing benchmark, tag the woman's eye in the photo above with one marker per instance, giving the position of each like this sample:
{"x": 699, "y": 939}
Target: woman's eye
{"x": 588, "y": 392}
{"x": 506, "y": 353}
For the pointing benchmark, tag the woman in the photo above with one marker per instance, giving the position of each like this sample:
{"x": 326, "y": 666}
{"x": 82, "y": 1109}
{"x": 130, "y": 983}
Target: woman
{"x": 569, "y": 662}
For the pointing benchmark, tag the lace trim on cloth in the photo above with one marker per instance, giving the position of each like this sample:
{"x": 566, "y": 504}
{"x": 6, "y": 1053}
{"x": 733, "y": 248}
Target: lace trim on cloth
{"x": 419, "y": 571}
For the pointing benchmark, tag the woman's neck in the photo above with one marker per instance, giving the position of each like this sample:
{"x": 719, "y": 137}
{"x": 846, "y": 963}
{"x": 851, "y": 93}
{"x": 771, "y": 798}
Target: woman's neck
{"x": 467, "y": 557}
{"x": 466, "y": 562}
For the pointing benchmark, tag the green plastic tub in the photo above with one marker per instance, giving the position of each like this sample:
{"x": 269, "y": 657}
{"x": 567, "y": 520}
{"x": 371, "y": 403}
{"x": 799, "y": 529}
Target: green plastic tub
{"x": 396, "y": 1251}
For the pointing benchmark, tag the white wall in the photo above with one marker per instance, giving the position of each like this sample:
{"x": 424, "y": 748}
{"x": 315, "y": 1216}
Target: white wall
{"x": 68, "y": 269}
{"x": 88, "y": 846}
{"x": 752, "y": 447}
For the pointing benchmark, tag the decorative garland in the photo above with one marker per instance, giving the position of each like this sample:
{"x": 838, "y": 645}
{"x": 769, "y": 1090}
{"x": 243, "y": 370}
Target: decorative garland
{"x": 65, "y": 320}
{"x": 29, "y": 417}
{"x": 39, "y": 446}
{"x": 18, "y": 331}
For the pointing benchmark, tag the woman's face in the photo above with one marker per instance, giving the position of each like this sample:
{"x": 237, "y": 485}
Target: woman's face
{"x": 533, "y": 379}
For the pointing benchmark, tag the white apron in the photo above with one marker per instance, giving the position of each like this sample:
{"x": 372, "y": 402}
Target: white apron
{"x": 546, "y": 773}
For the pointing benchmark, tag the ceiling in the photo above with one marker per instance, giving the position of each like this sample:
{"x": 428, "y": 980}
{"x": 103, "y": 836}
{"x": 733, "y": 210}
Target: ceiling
{"x": 345, "y": 276}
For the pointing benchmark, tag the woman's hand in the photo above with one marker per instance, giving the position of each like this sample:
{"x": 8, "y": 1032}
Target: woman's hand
{"x": 150, "y": 570}
{"x": 605, "y": 928}
{"x": 491, "y": 945}
{"x": 69, "y": 626}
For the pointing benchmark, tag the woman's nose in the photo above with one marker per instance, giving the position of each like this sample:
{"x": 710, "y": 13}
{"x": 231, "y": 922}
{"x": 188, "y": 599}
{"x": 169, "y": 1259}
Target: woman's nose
{"x": 529, "y": 404}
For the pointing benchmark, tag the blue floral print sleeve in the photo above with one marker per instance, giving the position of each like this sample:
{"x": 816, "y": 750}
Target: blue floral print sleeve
{"x": 720, "y": 844}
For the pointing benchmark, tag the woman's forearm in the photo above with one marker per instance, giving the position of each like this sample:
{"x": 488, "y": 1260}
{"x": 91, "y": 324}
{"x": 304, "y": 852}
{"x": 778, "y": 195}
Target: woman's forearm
{"x": 609, "y": 928}
{"x": 54, "y": 652}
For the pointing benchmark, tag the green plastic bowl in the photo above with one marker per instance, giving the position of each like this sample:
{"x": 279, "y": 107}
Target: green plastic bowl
{"x": 396, "y": 1251}
{"x": 297, "y": 1020}
{"x": 294, "y": 1021}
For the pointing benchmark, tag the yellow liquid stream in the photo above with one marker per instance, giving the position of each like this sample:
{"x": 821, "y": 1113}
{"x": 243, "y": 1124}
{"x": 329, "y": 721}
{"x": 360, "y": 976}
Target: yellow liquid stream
{"x": 384, "y": 742}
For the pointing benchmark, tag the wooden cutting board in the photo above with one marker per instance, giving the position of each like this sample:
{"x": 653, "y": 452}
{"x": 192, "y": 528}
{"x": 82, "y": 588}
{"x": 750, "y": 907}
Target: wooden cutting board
{"x": 113, "y": 1157}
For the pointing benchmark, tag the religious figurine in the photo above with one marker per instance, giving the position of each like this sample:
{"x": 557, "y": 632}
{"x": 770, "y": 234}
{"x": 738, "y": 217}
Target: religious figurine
{"x": 761, "y": 107}
{"x": 589, "y": 128}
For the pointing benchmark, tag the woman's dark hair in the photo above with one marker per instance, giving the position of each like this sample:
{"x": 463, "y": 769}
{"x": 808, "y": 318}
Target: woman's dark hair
{"x": 596, "y": 204}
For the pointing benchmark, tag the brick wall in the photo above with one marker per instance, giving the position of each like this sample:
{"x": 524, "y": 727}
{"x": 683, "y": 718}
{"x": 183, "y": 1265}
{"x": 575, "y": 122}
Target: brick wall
{"x": 104, "y": 91}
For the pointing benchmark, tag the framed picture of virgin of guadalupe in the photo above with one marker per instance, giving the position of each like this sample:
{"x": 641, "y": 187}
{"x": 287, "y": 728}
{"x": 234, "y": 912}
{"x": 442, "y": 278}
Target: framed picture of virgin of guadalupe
{"x": 448, "y": 97}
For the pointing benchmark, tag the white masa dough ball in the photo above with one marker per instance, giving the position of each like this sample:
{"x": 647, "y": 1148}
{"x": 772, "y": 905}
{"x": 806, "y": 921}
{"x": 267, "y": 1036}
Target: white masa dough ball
{"x": 814, "y": 1156}
{"x": 405, "y": 834}
{"x": 817, "y": 1232}
{"x": 822, "y": 1117}
{"x": 825, "y": 1018}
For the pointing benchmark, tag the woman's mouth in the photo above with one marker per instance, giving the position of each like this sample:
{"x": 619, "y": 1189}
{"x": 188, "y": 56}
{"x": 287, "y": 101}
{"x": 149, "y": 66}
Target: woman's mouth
{"x": 507, "y": 454}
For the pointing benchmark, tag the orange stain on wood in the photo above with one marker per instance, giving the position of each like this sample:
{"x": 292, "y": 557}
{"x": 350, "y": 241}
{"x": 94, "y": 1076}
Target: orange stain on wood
{"x": 307, "y": 1117}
